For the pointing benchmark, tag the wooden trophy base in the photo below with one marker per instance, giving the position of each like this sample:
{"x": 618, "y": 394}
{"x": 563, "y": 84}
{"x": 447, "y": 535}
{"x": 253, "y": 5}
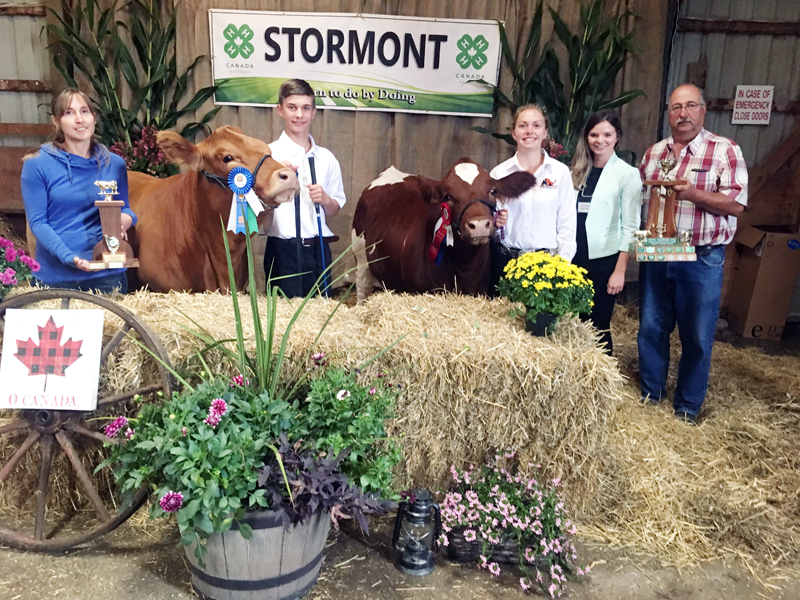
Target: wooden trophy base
{"x": 114, "y": 261}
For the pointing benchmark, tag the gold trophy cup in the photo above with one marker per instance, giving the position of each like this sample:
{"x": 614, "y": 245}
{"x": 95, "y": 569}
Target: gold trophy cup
{"x": 111, "y": 252}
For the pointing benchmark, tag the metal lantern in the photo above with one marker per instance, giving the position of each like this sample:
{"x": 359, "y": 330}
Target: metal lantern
{"x": 417, "y": 527}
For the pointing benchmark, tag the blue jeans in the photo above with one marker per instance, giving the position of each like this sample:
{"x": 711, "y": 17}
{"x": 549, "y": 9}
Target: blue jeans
{"x": 105, "y": 284}
{"x": 686, "y": 293}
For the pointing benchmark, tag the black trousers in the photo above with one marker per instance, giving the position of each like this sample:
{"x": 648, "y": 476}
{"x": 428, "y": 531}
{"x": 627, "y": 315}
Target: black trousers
{"x": 603, "y": 304}
{"x": 280, "y": 260}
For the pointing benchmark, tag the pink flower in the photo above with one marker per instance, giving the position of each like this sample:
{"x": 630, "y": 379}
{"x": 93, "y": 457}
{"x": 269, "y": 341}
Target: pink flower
{"x": 212, "y": 420}
{"x": 184, "y": 431}
{"x": 11, "y": 254}
{"x": 494, "y": 569}
{"x": 219, "y": 406}
{"x": 112, "y": 429}
{"x": 372, "y": 390}
{"x": 525, "y": 584}
{"x": 171, "y": 501}
{"x": 238, "y": 380}
{"x": 552, "y": 590}
{"x": 470, "y": 535}
{"x": 129, "y": 433}
{"x": 444, "y": 541}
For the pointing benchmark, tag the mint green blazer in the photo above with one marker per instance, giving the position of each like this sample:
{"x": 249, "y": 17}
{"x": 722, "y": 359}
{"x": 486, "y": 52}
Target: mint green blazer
{"x": 615, "y": 210}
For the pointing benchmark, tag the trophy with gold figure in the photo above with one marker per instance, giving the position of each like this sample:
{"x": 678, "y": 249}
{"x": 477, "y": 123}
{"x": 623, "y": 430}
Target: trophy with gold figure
{"x": 111, "y": 252}
{"x": 660, "y": 240}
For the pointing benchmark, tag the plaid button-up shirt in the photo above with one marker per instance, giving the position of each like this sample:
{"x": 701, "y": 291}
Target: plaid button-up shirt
{"x": 713, "y": 164}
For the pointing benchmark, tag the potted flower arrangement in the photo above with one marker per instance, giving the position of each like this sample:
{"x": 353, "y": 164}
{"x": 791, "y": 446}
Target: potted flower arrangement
{"x": 493, "y": 515}
{"x": 548, "y": 286}
{"x": 273, "y": 456}
{"x": 15, "y": 266}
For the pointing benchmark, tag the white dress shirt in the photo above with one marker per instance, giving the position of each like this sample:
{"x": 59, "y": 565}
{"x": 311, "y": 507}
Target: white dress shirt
{"x": 545, "y": 216}
{"x": 329, "y": 176}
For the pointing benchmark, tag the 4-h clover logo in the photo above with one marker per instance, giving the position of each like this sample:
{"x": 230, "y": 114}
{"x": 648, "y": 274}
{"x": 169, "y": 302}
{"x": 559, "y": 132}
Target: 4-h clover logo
{"x": 238, "y": 43}
{"x": 472, "y": 51}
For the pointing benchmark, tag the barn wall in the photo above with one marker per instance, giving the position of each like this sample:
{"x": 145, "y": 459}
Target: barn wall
{"x": 366, "y": 143}
{"x": 25, "y": 61}
{"x": 741, "y": 59}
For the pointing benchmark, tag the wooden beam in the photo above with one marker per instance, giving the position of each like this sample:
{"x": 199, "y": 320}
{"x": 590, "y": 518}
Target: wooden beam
{"x": 773, "y": 161}
{"x": 25, "y": 129}
{"x": 26, "y": 11}
{"x": 689, "y": 25}
{"x": 23, "y": 85}
{"x": 720, "y": 104}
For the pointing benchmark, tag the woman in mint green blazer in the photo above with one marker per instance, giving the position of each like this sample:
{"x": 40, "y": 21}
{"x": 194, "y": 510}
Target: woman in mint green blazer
{"x": 608, "y": 193}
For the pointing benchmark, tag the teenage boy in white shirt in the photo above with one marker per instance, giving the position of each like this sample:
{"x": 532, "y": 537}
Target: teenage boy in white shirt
{"x": 287, "y": 253}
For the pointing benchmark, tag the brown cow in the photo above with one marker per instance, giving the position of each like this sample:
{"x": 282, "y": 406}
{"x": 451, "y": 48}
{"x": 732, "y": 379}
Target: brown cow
{"x": 394, "y": 222}
{"x": 178, "y": 236}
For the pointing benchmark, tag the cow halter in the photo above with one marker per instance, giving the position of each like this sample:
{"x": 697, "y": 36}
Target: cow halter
{"x": 223, "y": 183}
{"x": 457, "y": 222}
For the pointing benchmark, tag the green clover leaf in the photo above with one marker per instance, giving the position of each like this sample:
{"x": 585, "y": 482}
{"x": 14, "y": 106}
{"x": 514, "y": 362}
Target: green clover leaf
{"x": 238, "y": 43}
{"x": 473, "y": 52}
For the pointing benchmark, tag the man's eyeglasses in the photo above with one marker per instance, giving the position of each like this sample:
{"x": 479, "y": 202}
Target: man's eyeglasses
{"x": 690, "y": 106}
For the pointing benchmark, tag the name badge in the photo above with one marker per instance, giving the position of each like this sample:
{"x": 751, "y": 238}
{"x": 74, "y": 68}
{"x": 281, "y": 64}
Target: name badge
{"x": 583, "y": 207}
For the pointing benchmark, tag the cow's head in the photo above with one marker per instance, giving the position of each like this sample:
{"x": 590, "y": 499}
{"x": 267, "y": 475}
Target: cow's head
{"x": 472, "y": 196}
{"x": 229, "y": 147}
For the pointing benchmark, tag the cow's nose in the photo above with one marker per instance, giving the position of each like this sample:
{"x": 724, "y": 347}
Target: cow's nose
{"x": 480, "y": 227}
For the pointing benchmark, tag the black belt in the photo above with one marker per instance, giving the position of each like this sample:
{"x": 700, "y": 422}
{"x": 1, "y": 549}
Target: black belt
{"x": 312, "y": 241}
{"x": 515, "y": 252}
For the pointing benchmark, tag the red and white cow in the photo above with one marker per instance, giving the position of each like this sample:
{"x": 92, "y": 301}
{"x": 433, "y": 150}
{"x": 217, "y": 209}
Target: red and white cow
{"x": 394, "y": 222}
{"x": 178, "y": 238}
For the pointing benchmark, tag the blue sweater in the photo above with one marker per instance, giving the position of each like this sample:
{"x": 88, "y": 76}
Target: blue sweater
{"x": 59, "y": 194}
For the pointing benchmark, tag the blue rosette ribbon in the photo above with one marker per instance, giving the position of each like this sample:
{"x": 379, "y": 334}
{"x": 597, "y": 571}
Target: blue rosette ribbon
{"x": 240, "y": 180}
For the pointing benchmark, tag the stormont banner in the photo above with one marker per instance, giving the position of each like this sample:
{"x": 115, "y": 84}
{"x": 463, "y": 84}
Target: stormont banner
{"x": 356, "y": 62}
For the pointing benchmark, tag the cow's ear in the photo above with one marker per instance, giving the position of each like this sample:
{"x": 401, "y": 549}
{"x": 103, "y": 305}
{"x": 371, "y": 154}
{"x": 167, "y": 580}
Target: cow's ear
{"x": 179, "y": 150}
{"x": 514, "y": 185}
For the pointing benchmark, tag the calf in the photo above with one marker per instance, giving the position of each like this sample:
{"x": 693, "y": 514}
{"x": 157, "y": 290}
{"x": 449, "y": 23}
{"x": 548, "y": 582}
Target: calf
{"x": 178, "y": 238}
{"x": 395, "y": 223}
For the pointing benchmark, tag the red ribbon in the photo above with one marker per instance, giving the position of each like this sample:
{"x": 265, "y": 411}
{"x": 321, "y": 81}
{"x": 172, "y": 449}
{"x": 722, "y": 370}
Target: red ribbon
{"x": 441, "y": 233}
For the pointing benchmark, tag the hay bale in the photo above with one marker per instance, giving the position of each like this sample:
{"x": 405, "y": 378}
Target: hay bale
{"x": 474, "y": 379}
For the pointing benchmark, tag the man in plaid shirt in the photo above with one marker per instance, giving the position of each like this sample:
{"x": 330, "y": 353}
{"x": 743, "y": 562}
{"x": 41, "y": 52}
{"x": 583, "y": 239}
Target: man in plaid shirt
{"x": 688, "y": 293}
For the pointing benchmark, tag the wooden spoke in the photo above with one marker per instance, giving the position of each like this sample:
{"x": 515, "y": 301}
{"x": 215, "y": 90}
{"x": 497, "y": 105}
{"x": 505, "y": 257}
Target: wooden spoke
{"x": 95, "y": 435}
{"x": 147, "y": 389}
{"x": 30, "y": 441}
{"x": 109, "y": 348}
{"x": 64, "y": 303}
{"x": 14, "y": 426}
{"x": 83, "y": 476}
{"x": 44, "y": 485}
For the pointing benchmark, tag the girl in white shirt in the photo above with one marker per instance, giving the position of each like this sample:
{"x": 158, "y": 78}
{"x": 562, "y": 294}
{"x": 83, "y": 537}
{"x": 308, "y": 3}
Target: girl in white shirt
{"x": 544, "y": 217}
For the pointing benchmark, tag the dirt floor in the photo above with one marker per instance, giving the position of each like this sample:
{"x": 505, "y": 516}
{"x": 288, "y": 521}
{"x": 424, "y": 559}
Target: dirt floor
{"x": 146, "y": 563}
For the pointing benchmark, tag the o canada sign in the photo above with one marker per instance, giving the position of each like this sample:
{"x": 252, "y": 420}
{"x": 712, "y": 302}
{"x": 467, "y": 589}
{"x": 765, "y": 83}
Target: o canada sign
{"x": 51, "y": 359}
{"x": 356, "y": 62}
{"x": 752, "y": 105}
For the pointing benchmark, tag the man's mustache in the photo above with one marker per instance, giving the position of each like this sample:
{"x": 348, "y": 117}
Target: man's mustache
{"x": 685, "y": 120}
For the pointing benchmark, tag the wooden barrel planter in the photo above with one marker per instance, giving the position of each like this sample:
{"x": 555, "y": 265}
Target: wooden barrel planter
{"x": 275, "y": 564}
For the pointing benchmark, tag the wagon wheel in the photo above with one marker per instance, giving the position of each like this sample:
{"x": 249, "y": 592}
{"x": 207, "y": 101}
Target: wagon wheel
{"x": 70, "y": 443}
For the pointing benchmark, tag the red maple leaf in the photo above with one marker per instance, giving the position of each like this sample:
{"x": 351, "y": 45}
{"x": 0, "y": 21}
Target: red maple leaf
{"x": 48, "y": 357}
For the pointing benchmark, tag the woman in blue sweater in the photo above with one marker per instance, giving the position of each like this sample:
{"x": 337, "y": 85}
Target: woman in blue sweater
{"x": 59, "y": 193}
{"x": 608, "y": 196}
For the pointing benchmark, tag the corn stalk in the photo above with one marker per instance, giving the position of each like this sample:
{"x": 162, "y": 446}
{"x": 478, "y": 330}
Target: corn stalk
{"x": 93, "y": 43}
{"x": 596, "y": 55}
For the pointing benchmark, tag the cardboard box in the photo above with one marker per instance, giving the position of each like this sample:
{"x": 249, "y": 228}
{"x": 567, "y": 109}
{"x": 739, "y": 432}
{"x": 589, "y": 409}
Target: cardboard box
{"x": 762, "y": 290}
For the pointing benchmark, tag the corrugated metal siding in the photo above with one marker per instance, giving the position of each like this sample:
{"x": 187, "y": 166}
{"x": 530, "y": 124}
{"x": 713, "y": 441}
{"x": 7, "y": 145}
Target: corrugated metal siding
{"x": 736, "y": 59}
{"x": 24, "y": 56}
